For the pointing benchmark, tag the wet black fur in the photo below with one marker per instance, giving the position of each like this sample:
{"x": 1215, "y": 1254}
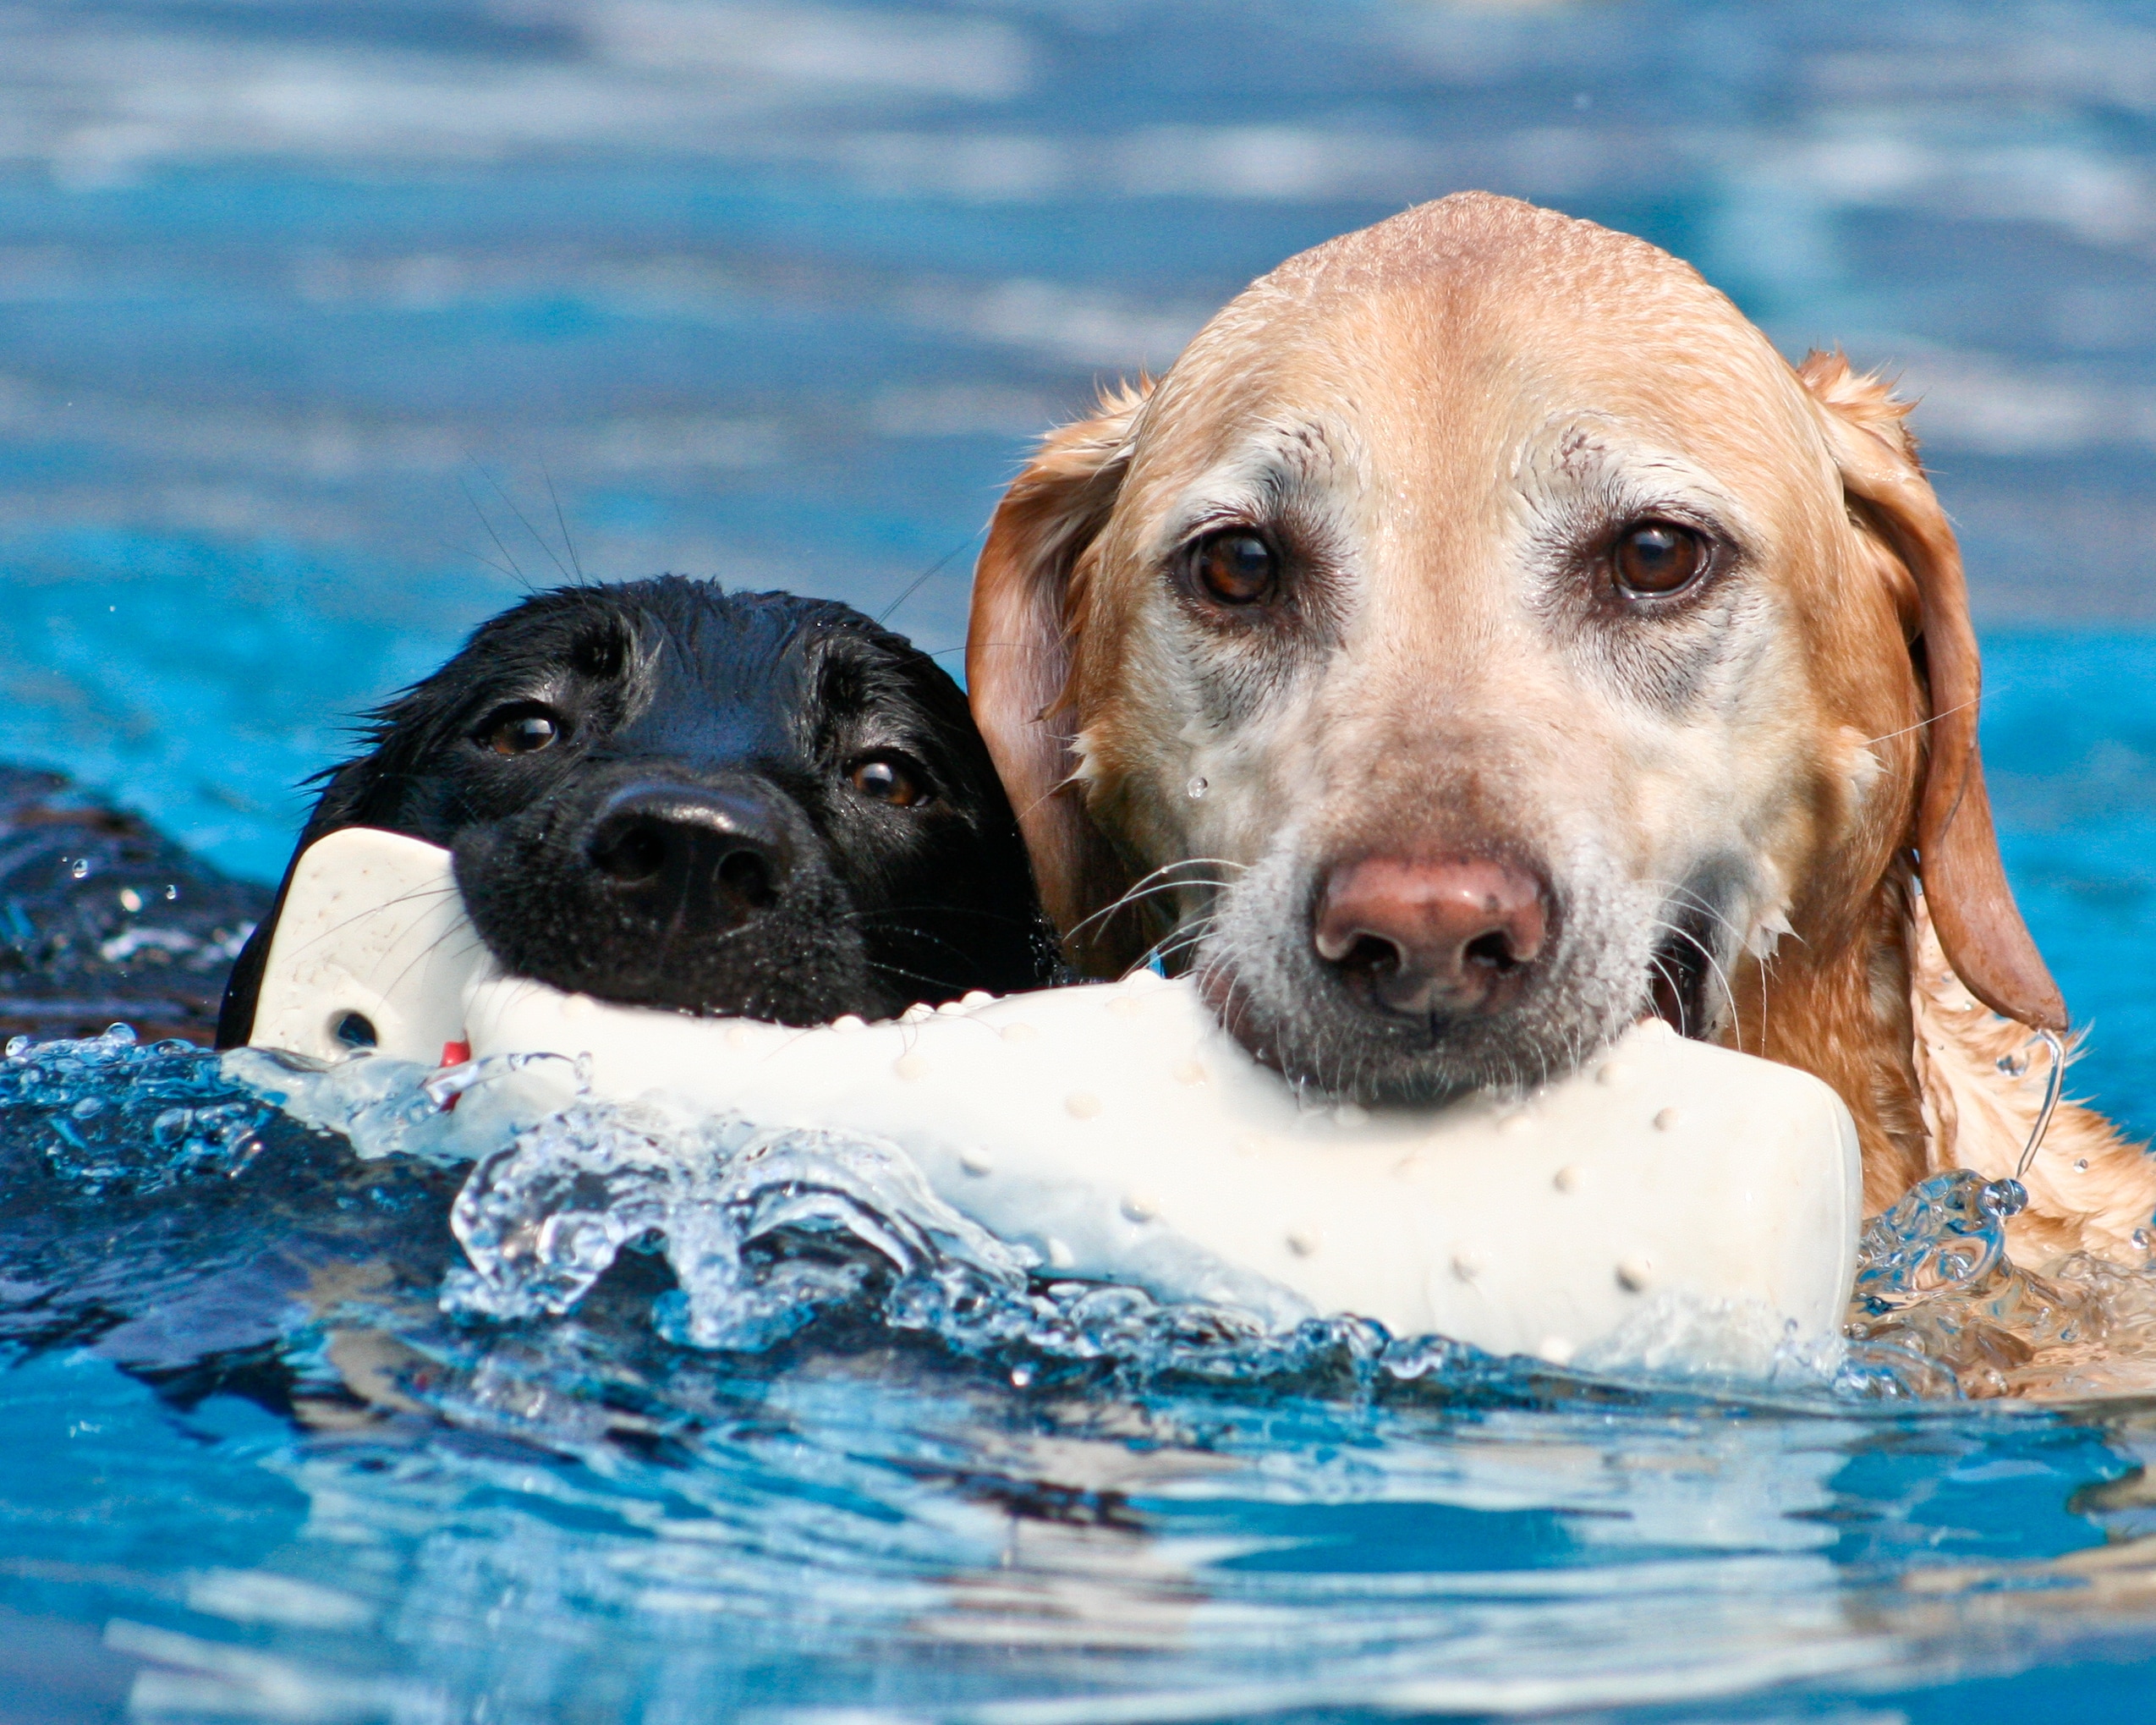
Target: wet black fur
{"x": 764, "y": 700}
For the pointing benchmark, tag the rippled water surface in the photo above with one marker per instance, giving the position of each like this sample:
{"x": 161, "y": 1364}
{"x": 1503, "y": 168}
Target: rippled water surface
{"x": 322, "y": 326}
{"x": 275, "y": 1448}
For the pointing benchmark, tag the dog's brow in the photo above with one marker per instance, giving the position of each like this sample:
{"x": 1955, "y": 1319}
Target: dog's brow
{"x": 1277, "y": 466}
{"x": 1598, "y": 457}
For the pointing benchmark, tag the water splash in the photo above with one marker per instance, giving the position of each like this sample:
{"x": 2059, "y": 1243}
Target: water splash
{"x": 1940, "y": 1308}
{"x": 542, "y": 1220}
{"x": 763, "y": 1232}
{"x": 386, "y": 1108}
{"x": 112, "y": 1114}
{"x": 766, "y": 1231}
{"x": 1944, "y": 1235}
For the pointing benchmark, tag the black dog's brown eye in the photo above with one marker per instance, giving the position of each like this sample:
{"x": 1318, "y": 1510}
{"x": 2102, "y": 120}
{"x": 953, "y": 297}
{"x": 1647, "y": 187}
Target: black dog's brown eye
{"x": 521, "y": 731}
{"x": 1237, "y": 568}
{"x": 1658, "y": 557}
{"x": 884, "y": 780}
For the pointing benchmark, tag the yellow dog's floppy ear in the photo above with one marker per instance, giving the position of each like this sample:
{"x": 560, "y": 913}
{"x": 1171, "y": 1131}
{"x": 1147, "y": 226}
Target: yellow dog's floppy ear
{"x": 1979, "y": 925}
{"x": 1021, "y": 644}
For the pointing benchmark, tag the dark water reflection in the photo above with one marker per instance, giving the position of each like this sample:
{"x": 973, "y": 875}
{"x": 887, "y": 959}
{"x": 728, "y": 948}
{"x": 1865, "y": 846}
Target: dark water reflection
{"x": 319, "y": 323}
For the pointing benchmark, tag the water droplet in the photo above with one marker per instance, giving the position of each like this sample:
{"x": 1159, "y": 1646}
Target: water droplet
{"x": 1614, "y": 1075}
{"x": 1195, "y": 790}
{"x": 1556, "y": 1349}
{"x": 909, "y": 1067}
{"x": 977, "y": 1162}
{"x": 846, "y": 1023}
{"x": 1669, "y": 1119}
{"x": 1467, "y": 1264}
{"x": 1635, "y": 1272}
{"x": 2081, "y": 1165}
{"x": 130, "y": 900}
{"x": 80, "y": 868}
{"x": 1141, "y": 1207}
{"x": 1302, "y": 1241}
{"x": 1021, "y": 1375}
{"x": 1191, "y": 1071}
{"x": 1083, "y": 1105}
{"x": 1569, "y": 1179}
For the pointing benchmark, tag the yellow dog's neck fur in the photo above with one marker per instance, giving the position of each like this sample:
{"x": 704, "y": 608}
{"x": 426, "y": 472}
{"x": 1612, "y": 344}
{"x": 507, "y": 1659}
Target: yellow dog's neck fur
{"x": 1937, "y": 1080}
{"x": 1981, "y": 1079}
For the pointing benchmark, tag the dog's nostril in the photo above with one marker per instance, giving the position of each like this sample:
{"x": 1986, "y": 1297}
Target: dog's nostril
{"x": 1371, "y": 957}
{"x": 746, "y": 875}
{"x": 1493, "y": 950}
{"x": 630, "y": 851}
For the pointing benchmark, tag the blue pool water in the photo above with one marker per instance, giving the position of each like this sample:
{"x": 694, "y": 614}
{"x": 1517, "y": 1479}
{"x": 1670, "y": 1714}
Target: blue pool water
{"x": 312, "y": 317}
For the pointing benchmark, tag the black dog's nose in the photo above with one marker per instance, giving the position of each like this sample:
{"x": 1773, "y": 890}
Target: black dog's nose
{"x": 699, "y": 858}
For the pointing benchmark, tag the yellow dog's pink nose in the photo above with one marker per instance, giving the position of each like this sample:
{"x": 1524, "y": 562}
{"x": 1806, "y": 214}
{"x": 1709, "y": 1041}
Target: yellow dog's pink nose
{"x": 1449, "y": 935}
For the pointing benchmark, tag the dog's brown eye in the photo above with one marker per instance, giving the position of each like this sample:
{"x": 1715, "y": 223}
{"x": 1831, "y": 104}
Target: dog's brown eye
{"x": 522, "y": 731}
{"x": 1659, "y": 557}
{"x": 883, "y": 780}
{"x": 1237, "y": 568}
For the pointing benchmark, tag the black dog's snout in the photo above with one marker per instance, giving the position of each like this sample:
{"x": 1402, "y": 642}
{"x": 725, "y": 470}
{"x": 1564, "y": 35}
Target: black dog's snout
{"x": 704, "y": 857}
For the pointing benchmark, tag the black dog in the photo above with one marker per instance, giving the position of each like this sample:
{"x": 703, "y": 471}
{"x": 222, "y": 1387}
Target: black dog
{"x": 665, "y": 794}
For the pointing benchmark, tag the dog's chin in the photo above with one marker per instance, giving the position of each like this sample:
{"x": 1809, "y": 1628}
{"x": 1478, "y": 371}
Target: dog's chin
{"x": 1314, "y": 1032}
{"x": 543, "y": 918}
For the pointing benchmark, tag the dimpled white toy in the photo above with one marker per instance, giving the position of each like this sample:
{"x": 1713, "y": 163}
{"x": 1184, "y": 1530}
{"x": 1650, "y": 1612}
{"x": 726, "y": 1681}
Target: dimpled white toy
{"x": 1117, "y": 1131}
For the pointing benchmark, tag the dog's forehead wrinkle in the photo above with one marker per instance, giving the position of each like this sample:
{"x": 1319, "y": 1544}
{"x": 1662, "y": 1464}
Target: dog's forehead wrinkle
{"x": 719, "y": 691}
{"x": 1600, "y": 461}
{"x": 1274, "y": 468}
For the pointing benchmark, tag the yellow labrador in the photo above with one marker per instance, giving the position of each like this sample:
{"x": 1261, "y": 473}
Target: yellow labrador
{"x": 1482, "y": 638}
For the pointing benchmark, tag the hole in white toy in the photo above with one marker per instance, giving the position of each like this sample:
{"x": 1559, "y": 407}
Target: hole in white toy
{"x": 354, "y": 1029}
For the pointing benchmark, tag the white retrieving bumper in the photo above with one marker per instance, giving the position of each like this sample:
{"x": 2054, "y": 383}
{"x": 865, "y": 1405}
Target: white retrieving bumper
{"x": 1116, "y": 1130}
